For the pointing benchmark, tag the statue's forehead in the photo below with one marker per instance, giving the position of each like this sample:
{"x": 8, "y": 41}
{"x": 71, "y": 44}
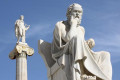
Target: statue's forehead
{"x": 77, "y": 8}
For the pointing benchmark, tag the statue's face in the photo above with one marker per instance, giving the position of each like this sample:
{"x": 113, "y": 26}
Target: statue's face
{"x": 21, "y": 17}
{"x": 77, "y": 13}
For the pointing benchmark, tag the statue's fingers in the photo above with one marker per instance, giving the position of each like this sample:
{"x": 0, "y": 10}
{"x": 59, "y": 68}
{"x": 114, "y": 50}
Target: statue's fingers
{"x": 71, "y": 17}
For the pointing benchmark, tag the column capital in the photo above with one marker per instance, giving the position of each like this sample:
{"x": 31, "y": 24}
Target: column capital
{"x": 19, "y": 48}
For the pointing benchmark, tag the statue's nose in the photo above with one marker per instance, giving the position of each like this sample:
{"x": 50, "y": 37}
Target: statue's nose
{"x": 77, "y": 14}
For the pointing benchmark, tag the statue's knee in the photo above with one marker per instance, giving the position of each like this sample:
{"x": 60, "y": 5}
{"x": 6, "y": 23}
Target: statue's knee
{"x": 74, "y": 38}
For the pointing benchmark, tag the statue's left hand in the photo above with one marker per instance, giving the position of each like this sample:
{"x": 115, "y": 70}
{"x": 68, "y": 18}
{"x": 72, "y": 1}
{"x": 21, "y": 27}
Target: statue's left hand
{"x": 28, "y": 25}
{"x": 91, "y": 43}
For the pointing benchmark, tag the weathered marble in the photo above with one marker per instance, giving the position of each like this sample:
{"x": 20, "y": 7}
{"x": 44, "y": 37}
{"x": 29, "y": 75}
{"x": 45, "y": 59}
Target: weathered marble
{"x": 19, "y": 48}
{"x": 70, "y": 56}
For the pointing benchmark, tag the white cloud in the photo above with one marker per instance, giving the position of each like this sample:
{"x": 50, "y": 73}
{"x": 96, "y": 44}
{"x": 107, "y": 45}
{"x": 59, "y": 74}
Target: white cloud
{"x": 112, "y": 40}
{"x": 40, "y": 29}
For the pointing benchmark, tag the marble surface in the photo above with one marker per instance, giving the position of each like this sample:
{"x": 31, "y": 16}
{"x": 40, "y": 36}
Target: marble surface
{"x": 20, "y": 29}
{"x": 79, "y": 58}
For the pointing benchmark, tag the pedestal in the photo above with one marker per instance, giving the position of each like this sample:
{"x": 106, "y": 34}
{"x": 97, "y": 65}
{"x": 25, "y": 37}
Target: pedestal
{"x": 85, "y": 77}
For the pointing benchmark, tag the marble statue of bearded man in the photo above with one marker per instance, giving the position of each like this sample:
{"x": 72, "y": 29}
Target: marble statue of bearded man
{"x": 79, "y": 58}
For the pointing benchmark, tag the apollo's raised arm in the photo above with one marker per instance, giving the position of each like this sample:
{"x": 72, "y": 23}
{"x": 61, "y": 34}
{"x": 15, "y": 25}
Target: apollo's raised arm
{"x": 27, "y": 27}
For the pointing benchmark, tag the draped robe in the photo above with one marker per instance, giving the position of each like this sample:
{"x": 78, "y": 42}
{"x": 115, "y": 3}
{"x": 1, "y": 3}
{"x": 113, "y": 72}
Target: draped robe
{"x": 76, "y": 49}
{"x": 19, "y": 28}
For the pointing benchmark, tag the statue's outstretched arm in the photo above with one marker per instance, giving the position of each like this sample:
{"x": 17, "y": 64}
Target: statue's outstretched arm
{"x": 26, "y": 28}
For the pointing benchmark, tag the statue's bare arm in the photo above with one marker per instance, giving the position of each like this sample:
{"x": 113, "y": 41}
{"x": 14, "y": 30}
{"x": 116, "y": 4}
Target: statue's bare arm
{"x": 26, "y": 28}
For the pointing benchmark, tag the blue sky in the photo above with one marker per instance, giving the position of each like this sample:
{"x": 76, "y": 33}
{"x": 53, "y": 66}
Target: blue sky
{"x": 101, "y": 20}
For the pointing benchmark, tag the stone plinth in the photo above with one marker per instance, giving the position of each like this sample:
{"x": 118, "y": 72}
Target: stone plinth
{"x": 86, "y": 77}
{"x": 20, "y": 53}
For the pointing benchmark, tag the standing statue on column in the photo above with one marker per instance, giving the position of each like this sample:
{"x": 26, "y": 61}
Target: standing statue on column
{"x": 21, "y": 50}
{"x": 20, "y": 29}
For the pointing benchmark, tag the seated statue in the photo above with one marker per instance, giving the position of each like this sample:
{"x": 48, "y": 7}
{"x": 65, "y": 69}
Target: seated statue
{"x": 69, "y": 40}
{"x": 79, "y": 60}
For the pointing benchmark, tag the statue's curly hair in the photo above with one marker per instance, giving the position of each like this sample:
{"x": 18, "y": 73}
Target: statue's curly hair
{"x": 71, "y": 7}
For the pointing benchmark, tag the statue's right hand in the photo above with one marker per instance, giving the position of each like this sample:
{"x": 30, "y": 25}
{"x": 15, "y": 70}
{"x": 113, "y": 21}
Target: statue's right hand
{"x": 73, "y": 21}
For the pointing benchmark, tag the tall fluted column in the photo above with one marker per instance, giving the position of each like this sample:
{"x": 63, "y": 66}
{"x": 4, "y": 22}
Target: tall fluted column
{"x": 21, "y": 66}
